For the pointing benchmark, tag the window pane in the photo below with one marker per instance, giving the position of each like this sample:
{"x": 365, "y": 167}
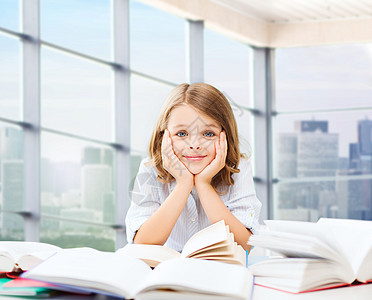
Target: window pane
{"x": 147, "y": 97}
{"x": 227, "y": 67}
{"x": 245, "y": 128}
{"x": 76, "y": 96}
{"x": 157, "y": 43}
{"x": 323, "y": 77}
{"x": 77, "y": 180}
{"x": 83, "y": 26}
{"x": 12, "y": 227}
{"x": 9, "y": 14}
{"x": 11, "y": 170}
{"x": 73, "y": 234}
{"x": 10, "y": 81}
{"x": 308, "y": 201}
{"x": 323, "y": 144}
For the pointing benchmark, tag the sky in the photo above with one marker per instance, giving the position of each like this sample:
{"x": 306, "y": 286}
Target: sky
{"x": 77, "y": 95}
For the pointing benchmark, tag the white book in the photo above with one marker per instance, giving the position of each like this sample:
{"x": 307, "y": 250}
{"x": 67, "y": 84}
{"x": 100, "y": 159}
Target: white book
{"x": 21, "y": 256}
{"x": 329, "y": 253}
{"x": 121, "y": 275}
{"x": 214, "y": 242}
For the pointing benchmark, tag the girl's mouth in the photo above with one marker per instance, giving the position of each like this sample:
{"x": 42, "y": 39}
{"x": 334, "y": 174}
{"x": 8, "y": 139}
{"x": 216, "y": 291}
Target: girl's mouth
{"x": 194, "y": 157}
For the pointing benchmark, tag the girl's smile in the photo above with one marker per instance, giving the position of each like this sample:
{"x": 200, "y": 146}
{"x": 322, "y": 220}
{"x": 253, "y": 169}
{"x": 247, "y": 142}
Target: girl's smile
{"x": 193, "y": 137}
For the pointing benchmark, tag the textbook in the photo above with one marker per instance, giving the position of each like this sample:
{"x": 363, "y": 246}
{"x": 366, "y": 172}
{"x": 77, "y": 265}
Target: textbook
{"x": 214, "y": 242}
{"x": 86, "y": 269}
{"x": 31, "y": 291}
{"x": 21, "y": 256}
{"x": 326, "y": 254}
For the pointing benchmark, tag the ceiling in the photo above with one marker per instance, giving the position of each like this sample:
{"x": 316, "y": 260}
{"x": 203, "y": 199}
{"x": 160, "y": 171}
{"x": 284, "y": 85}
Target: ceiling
{"x": 287, "y": 11}
{"x": 280, "y": 23}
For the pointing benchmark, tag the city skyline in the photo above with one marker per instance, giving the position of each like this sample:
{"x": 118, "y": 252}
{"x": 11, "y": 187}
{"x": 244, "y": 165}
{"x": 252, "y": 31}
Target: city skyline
{"x": 312, "y": 151}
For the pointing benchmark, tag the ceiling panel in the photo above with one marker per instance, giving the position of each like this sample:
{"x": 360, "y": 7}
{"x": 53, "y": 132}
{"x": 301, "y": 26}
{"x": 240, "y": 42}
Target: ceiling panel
{"x": 288, "y": 11}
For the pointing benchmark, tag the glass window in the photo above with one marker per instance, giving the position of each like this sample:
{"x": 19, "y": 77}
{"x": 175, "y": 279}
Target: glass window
{"x": 10, "y": 81}
{"x": 12, "y": 227}
{"x": 9, "y": 14}
{"x": 147, "y": 98}
{"x": 324, "y": 77}
{"x": 322, "y": 144}
{"x": 303, "y": 200}
{"x": 157, "y": 43}
{"x": 83, "y": 26}
{"x": 76, "y": 96}
{"x": 312, "y": 151}
{"x": 11, "y": 170}
{"x": 67, "y": 234}
{"x": 227, "y": 66}
{"x": 77, "y": 180}
{"x": 245, "y": 128}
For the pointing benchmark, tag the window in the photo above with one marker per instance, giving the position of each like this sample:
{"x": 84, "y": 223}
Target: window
{"x": 10, "y": 78}
{"x": 157, "y": 43}
{"x": 227, "y": 65}
{"x": 76, "y": 96}
{"x": 323, "y": 131}
{"x": 77, "y": 26}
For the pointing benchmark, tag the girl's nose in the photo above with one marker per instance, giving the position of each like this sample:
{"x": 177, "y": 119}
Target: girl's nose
{"x": 195, "y": 147}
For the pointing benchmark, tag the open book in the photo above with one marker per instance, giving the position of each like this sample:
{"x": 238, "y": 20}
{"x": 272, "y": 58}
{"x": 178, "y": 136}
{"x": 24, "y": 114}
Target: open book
{"x": 329, "y": 253}
{"x": 21, "y": 256}
{"x": 86, "y": 269}
{"x": 215, "y": 242}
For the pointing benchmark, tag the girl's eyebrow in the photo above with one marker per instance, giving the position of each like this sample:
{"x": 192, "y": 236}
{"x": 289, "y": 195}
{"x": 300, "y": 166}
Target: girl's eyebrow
{"x": 188, "y": 126}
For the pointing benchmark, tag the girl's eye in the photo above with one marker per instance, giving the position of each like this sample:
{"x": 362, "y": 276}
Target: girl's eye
{"x": 209, "y": 134}
{"x": 181, "y": 133}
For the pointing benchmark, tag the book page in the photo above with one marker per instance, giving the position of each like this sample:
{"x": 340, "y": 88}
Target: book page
{"x": 200, "y": 276}
{"x": 16, "y": 250}
{"x": 213, "y": 234}
{"x": 92, "y": 270}
{"x": 353, "y": 238}
{"x": 6, "y": 261}
{"x": 154, "y": 253}
{"x": 27, "y": 261}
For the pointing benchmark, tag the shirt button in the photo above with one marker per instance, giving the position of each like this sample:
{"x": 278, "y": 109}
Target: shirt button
{"x": 193, "y": 220}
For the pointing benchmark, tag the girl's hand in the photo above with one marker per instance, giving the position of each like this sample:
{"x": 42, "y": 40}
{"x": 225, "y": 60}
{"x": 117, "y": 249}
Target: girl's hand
{"x": 172, "y": 164}
{"x": 216, "y": 164}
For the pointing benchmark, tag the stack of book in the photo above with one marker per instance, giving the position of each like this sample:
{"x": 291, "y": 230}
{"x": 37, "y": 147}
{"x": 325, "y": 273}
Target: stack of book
{"x": 315, "y": 256}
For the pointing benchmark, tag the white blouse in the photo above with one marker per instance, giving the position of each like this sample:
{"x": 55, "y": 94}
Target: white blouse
{"x": 149, "y": 193}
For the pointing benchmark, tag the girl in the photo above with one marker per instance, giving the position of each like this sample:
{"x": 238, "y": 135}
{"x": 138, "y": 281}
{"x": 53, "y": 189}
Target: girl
{"x": 195, "y": 175}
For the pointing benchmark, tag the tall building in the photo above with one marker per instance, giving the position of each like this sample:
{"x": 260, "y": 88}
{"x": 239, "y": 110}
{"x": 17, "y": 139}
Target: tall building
{"x": 354, "y": 156}
{"x": 91, "y": 156}
{"x": 312, "y": 126}
{"x": 309, "y": 152}
{"x": 365, "y": 137}
{"x": 11, "y": 144}
{"x": 360, "y": 158}
{"x": 96, "y": 182}
{"x": 11, "y": 179}
{"x": 97, "y": 156}
{"x": 12, "y": 193}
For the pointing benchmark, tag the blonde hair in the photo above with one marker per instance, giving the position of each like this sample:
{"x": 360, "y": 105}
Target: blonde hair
{"x": 209, "y": 101}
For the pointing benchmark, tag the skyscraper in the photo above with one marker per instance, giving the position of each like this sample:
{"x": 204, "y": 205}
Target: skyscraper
{"x": 312, "y": 126}
{"x": 309, "y": 152}
{"x": 12, "y": 190}
{"x": 96, "y": 182}
{"x": 365, "y": 137}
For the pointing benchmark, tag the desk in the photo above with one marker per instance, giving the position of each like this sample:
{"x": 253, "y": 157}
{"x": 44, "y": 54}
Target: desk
{"x": 360, "y": 292}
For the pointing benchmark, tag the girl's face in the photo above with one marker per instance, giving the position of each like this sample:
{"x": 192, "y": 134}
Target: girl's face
{"x": 193, "y": 136}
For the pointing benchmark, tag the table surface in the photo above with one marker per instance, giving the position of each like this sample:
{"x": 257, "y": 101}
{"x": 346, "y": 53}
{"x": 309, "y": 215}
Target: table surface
{"x": 360, "y": 292}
